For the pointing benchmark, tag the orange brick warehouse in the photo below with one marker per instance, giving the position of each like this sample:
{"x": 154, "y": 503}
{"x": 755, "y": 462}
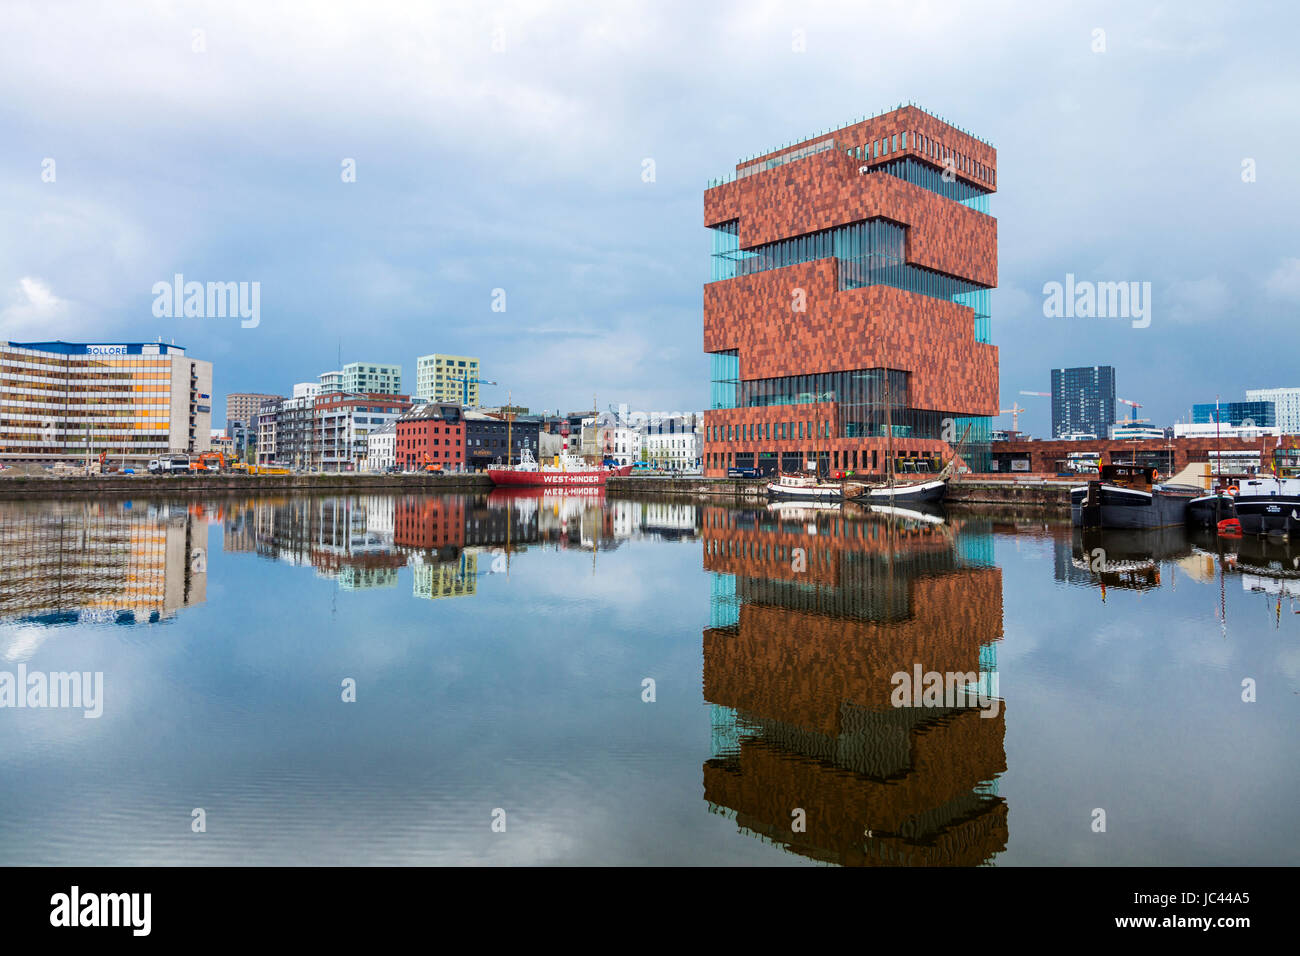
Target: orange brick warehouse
{"x": 851, "y": 270}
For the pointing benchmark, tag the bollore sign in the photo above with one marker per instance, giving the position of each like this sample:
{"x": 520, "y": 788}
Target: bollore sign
{"x": 106, "y": 350}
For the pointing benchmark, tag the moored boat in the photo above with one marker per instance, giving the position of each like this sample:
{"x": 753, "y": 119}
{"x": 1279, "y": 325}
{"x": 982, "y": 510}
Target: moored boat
{"x": 1127, "y": 496}
{"x": 568, "y": 471}
{"x": 1265, "y": 504}
{"x": 1206, "y": 511}
{"x": 923, "y": 491}
{"x": 805, "y": 487}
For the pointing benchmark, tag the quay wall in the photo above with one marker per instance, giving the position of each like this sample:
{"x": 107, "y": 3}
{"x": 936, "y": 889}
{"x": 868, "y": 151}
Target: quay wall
{"x": 1020, "y": 491}
{"x": 147, "y": 486}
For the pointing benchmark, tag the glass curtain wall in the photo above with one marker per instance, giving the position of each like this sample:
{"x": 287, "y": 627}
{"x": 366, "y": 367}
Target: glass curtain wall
{"x": 931, "y": 177}
{"x": 872, "y": 252}
{"x": 724, "y": 385}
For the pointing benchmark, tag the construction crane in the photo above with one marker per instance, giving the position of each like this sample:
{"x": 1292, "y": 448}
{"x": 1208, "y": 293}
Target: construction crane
{"x": 466, "y": 380}
{"x": 1015, "y": 423}
{"x": 1014, "y": 411}
{"x": 1135, "y": 406}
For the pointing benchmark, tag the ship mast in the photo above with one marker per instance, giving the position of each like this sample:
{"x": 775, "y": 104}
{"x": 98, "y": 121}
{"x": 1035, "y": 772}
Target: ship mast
{"x": 1218, "y": 465}
{"x": 889, "y": 429}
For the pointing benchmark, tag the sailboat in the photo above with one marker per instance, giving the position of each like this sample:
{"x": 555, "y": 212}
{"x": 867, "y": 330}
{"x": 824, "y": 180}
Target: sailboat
{"x": 806, "y": 487}
{"x": 921, "y": 489}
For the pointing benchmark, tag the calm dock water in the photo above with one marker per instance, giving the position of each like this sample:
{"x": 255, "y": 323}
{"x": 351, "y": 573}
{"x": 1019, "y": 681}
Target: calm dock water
{"x": 549, "y": 679}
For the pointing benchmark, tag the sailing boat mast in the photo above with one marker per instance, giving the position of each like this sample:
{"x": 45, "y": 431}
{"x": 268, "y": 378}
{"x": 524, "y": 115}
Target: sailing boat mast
{"x": 889, "y": 430}
{"x": 1218, "y": 466}
{"x": 510, "y": 448}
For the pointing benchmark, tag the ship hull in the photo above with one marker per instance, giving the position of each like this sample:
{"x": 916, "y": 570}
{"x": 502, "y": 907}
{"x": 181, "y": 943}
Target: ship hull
{"x": 804, "y": 493}
{"x": 547, "y": 479}
{"x": 916, "y": 492}
{"x": 1208, "y": 510}
{"x": 1112, "y": 506}
{"x": 1269, "y": 514}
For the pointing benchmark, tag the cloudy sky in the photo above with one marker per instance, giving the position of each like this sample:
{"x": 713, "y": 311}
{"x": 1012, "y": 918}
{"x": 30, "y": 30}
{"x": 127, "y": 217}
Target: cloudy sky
{"x": 502, "y": 146}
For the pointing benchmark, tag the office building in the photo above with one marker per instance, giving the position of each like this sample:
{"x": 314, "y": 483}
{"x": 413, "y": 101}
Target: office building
{"x": 1210, "y": 430}
{"x": 849, "y": 309}
{"x": 1286, "y": 406}
{"x": 66, "y": 562}
{"x": 1083, "y": 401}
{"x": 441, "y": 378}
{"x": 1259, "y": 413}
{"x": 66, "y": 401}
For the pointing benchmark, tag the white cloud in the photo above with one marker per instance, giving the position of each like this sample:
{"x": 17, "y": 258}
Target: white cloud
{"x": 1284, "y": 282}
{"x": 33, "y": 312}
{"x": 1197, "y": 300}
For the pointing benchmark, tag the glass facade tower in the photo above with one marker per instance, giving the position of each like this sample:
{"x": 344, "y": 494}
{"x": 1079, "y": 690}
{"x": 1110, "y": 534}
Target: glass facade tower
{"x": 850, "y": 290}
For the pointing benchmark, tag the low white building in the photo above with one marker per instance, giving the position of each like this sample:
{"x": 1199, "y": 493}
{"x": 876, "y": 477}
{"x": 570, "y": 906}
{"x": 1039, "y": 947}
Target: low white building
{"x": 381, "y": 448}
{"x": 621, "y": 443}
{"x": 674, "y": 450}
{"x": 608, "y": 439}
{"x": 1123, "y": 431}
{"x": 1210, "y": 430}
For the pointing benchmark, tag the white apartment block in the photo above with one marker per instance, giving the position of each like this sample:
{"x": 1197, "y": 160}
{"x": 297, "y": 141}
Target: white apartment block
{"x": 372, "y": 379}
{"x": 268, "y": 420}
{"x": 342, "y": 426}
{"x": 677, "y": 450}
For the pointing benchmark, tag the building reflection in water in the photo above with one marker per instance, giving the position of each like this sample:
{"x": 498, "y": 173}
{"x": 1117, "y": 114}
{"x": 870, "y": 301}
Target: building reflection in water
{"x": 798, "y": 668}
{"x": 448, "y": 542}
{"x": 63, "y": 562}
{"x": 112, "y": 562}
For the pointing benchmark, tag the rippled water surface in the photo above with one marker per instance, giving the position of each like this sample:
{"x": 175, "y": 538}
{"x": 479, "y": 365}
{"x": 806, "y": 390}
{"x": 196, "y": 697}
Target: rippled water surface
{"x": 638, "y": 682}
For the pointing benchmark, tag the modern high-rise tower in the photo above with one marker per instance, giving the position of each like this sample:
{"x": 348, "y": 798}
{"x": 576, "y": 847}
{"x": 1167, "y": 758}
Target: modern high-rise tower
{"x": 852, "y": 270}
{"x": 1083, "y": 401}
